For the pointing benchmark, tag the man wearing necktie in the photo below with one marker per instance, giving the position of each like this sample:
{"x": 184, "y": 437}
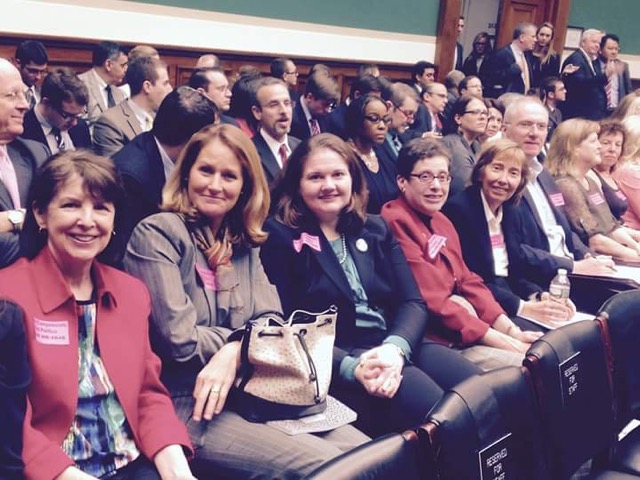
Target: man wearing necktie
{"x": 19, "y": 160}
{"x": 403, "y": 105}
{"x": 585, "y": 82}
{"x": 617, "y": 72}
{"x": 31, "y": 59}
{"x": 310, "y": 113}
{"x": 273, "y": 109}
{"x": 109, "y": 66}
{"x": 55, "y": 121}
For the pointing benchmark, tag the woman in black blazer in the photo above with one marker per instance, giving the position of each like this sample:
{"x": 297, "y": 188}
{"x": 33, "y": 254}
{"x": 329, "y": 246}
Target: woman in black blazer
{"x": 497, "y": 182}
{"x": 324, "y": 250}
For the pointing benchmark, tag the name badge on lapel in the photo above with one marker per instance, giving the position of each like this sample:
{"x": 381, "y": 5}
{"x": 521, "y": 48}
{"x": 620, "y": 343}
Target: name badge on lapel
{"x": 596, "y": 199}
{"x": 51, "y": 333}
{"x": 435, "y": 244}
{"x": 557, "y": 199}
{"x": 621, "y": 195}
{"x": 497, "y": 240}
{"x": 207, "y": 276}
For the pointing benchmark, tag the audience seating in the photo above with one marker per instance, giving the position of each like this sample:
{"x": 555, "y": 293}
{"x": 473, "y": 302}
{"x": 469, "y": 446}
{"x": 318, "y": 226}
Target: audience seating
{"x": 391, "y": 457}
{"x": 487, "y": 427}
{"x": 572, "y": 381}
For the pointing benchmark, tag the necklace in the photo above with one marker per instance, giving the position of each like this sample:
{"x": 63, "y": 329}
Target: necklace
{"x": 370, "y": 160}
{"x": 343, "y": 257}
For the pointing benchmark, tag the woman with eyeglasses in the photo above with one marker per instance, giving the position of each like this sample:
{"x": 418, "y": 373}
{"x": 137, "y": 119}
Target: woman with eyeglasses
{"x": 494, "y": 121}
{"x": 481, "y": 50}
{"x": 463, "y": 312}
{"x": 324, "y": 249}
{"x": 470, "y": 115}
{"x": 368, "y": 121}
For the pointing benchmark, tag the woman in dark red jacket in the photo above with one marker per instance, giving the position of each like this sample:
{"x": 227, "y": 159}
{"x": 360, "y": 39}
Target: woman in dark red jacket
{"x": 96, "y": 406}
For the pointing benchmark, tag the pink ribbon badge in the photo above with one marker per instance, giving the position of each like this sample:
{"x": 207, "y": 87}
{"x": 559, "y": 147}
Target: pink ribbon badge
{"x": 557, "y": 199}
{"x": 311, "y": 241}
{"x": 596, "y": 199}
{"x": 207, "y": 276}
{"x": 435, "y": 244}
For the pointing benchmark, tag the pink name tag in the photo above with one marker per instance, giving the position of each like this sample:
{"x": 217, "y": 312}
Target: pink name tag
{"x": 497, "y": 240}
{"x": 621, "y": 195}
{"x": 306, "y": 239}
{"x": 51, "y": 333}
{"x": 435, "y": 244}
{"x": 557, "y": 199}
{"x": 207, "y": 276}
{"x": 596, "y": 199}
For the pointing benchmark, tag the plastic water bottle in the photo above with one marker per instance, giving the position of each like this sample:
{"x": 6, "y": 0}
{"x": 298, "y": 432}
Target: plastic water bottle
{"x": 560, "y": 287}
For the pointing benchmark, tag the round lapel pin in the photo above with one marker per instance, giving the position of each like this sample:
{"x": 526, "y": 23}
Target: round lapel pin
{"x": 361, "y": 245}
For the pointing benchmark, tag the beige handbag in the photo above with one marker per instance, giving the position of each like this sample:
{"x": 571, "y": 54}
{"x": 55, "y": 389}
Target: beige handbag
{"x": 286, "y": 365}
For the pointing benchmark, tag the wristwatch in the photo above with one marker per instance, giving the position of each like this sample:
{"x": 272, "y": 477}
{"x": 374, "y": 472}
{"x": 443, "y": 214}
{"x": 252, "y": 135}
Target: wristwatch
{"x": 16, "y": 218}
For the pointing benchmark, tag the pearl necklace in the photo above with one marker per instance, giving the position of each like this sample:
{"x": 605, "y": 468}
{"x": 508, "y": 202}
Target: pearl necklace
{"x": 343, "y": 257}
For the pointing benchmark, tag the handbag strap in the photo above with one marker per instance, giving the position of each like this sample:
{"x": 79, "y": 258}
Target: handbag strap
{"x": 313, "y": 374}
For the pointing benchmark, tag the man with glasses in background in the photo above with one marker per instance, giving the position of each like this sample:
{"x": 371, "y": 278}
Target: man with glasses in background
{"x": 55, "y": 121}
{"x": 286, "y": 70}
{"x": 402, "y": 101}
{"x": 434, "y": 98}
{"x": 31, "y": 59}
{"x": 19, "y": 160}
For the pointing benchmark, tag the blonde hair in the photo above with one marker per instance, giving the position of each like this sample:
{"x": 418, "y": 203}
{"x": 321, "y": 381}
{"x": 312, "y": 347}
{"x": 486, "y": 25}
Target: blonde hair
{"x": 631, "y": 138}
{"x": 243, "y": 224}
{"x": 496, "y": 150}
{"x": 566, "y": 139}
{"x": 626, "y": 108}
{"x": 548, "y": 51}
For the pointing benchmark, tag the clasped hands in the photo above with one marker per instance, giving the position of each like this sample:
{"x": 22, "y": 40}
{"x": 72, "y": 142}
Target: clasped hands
{"x": 380, "y": 370}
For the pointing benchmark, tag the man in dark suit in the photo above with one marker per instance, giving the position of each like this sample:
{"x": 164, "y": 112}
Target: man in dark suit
{"x": 337, "y": 119}
{"x": 273, "y": 109}
{"x": 148, "y": 80}
{"x": 402, "y": 101}
{"x": 55, "y": 121}
{"x": 422, "y": 74}
{"x": 286, "y": 70}
{"x": 19, "y": 160}
{"x": 547, "y": 241}
{"x": 213, "y": 84}
{"x": 508, "y": 69}
{"x": 617, "y": 72}
{"x": 434, "y": 98}
{"x": 458, "y": 57}
{"x": 310, "y": 113}
{"x": 146, "y": 162}
{"x": 584, "y": 80}
{"x": 31, "y": 59}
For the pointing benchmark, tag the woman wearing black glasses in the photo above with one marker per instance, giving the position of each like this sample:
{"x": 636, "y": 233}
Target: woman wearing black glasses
{"x": 471, "y": 115}
{"x": 462, "y": 310}
{"x": 368, "y": 121}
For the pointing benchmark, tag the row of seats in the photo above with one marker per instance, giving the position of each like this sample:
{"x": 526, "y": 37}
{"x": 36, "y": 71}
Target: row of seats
{"x": 578, "y": 387}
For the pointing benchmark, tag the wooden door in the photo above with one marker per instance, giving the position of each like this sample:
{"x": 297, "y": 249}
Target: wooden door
{"x": 513, "y": 12}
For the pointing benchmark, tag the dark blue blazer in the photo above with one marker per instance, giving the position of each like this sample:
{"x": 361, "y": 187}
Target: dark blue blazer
{"x": 313, "y": 281}
{"x": 501, "y": 74}
{"x": 299, "y": 125}
{"x": 140, "y": 165}
{"x": 466, "y": 212}
{"x": 585, "y": 89}
{"x": 460, "y": 57}
{"x": 269, "y": 162}
{"x": 79, "y": 134}
{"x": 541, "y": 265}
{"x": 337, "y": 121}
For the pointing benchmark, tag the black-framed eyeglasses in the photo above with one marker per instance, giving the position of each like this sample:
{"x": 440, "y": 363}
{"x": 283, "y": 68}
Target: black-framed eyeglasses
{"x": 428, "y": 178}
{"x": 68, "y": 115}
{"x": 376, "y": 119}
{"x": 408, "y": 115}
{"x": 478, "y": 112}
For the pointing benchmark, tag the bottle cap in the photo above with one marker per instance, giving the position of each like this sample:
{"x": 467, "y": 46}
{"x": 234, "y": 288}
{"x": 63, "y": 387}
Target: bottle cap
{"x": 562, "y": 271}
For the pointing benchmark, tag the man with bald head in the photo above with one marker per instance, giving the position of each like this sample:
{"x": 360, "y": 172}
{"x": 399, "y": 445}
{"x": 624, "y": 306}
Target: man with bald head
{"x": 547, "y": 241}
{"x": 19, "y": 160}
{"x": 584, "y": 80}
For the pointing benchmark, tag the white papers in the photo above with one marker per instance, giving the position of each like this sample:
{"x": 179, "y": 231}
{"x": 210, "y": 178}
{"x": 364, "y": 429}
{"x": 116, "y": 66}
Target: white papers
{"x": 578, "y": 317}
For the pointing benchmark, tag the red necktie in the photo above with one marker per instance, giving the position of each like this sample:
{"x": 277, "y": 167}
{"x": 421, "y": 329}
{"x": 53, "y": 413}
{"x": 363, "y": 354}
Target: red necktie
{"x": 284, "y": 154}
{"x": 315, "y": 127}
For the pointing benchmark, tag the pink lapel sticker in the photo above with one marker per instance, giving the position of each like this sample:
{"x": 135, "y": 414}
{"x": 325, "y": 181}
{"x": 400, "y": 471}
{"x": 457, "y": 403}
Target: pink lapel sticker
{"x": 51, "y": 333}
{"x": 497, "y": 240}
{"x": 557, "y": 199}
{"x": 311, "y": 241}
{"x": 436, "y": 242}
{"x": 207, "y": 276}
{"x": 596, "y": 199}
{"x": 621, "y": 195}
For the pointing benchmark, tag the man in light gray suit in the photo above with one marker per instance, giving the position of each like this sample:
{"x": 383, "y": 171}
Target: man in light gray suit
{"x": 149, "y": 82}
{"x": 109, "y": 67}
{"x": 19, "y": 160}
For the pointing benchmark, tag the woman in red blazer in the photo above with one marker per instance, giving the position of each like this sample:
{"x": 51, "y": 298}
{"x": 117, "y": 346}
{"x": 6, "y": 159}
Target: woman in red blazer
{"x": 95, "y": 406}
{"x": 465, "y": 313}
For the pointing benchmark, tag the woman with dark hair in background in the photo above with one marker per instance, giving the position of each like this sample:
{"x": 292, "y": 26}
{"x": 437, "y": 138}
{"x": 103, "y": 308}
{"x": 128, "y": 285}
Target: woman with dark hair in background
{"x": 481, "y": 50}
{"x": 242, "y": 98}
{"x": 368, "y": 121}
